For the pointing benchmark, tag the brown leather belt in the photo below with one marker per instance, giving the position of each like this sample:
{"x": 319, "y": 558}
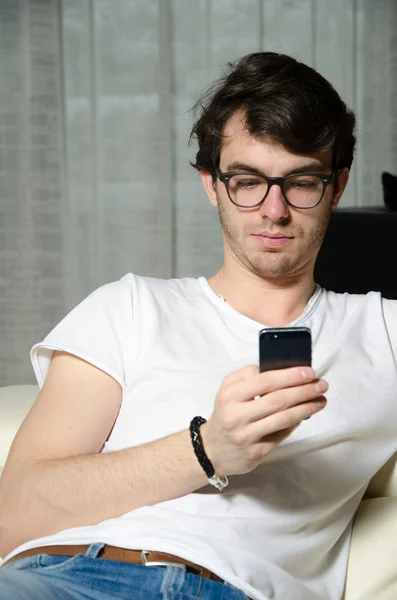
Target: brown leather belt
{"x": 138, "y": 557}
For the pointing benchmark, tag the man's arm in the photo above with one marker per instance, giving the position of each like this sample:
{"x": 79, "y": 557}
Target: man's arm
{"x": 55, "y": 477}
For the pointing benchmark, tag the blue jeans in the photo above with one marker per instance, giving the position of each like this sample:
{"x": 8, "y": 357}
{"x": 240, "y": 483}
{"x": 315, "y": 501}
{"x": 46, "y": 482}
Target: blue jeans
{"x": 86, "y": 577}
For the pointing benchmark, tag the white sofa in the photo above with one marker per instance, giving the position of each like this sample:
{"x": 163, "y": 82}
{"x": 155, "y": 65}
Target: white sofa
{"x": 372, "y": 571}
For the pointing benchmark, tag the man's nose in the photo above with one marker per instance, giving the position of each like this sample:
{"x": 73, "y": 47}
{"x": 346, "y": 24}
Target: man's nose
{"x": 274, "y": 207}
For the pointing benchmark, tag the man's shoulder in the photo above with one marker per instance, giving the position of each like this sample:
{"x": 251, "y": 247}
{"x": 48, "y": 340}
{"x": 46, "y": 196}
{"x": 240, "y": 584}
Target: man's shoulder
{"x": 132, "y": 283}
{"x": 371, "y": 306}
{"x": 348, "y": 302}
{"x": 143, "y": 284}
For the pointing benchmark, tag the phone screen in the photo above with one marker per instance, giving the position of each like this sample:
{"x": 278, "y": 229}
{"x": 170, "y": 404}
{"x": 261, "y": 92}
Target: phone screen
{"x": 284, "y": 348}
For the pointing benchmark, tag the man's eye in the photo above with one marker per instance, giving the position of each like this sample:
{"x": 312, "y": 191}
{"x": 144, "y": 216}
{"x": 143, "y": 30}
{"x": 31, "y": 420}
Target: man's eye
{"x": 247, "y": 183}
{"x": 303, "y": 185}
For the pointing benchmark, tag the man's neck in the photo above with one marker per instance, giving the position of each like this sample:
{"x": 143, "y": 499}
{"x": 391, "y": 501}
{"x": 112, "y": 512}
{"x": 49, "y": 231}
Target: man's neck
{"x": 273, "y": 303}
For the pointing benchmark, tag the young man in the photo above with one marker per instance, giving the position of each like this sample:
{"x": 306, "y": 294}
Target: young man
{"x": 104, "y": 477}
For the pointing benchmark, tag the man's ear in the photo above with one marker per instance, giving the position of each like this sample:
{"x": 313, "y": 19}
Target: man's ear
{"x": 209, "y": 186}
{"x": 340, "y": 184}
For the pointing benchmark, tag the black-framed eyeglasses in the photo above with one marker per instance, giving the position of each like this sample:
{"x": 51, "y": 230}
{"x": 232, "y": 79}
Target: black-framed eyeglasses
{"x": 301, "y": 190}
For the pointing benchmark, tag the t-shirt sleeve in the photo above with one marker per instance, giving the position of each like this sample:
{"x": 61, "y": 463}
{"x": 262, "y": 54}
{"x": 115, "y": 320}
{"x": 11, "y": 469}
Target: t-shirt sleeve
{"x": 390, "y": 316}
{"x": 98, "y": 330}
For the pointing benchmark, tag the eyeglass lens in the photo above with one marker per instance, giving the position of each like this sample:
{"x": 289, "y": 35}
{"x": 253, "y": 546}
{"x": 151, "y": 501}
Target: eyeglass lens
{"x": 300, "y": 190}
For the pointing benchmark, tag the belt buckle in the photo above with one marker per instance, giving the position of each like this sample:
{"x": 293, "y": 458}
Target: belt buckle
{"x": 157, "y": 563}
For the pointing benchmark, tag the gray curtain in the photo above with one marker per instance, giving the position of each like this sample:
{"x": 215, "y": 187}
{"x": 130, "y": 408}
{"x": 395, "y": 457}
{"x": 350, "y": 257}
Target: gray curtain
{"x": 94, "y": 167}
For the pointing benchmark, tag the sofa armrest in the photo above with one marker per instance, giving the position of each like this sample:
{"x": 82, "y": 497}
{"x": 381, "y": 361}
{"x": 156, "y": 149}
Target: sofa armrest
{"x": 384, "y": 483}
{"x": 372, "y": 568}
{"x": 15, "y": 403}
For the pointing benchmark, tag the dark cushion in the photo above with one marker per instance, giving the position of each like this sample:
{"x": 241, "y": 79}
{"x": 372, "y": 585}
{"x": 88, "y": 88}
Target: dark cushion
{"x": 389, "y": 183}
{"x": 359, "y": 252}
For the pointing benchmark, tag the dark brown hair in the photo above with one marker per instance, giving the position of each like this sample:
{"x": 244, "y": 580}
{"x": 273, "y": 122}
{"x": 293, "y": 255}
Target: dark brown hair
{"x": 281, "y": 98}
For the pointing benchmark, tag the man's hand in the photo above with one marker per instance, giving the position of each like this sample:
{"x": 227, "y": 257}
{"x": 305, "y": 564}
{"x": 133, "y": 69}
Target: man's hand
{"x": 254, "y": 412}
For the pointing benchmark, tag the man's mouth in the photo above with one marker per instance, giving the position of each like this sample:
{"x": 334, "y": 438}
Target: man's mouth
{"x": 276, "y": 235}
{"x": 273, "y": 239}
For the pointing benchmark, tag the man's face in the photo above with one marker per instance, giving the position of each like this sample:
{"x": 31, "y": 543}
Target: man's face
{"x": 244, "y": 230}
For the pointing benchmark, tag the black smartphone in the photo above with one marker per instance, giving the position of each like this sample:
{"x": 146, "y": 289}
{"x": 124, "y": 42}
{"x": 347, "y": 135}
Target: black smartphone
{"x": 285, "y": 348}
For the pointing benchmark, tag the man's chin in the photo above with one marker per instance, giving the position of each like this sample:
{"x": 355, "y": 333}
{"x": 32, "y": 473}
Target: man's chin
{"x": 276, "y": 266}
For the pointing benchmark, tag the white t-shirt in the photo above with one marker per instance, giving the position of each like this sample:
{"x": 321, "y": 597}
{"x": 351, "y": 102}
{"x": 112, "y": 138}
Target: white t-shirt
{"x": 283, "y": 530}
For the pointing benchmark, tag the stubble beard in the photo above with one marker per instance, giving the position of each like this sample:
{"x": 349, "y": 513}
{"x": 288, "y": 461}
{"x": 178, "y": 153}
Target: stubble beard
{"x": 270, "y": 263}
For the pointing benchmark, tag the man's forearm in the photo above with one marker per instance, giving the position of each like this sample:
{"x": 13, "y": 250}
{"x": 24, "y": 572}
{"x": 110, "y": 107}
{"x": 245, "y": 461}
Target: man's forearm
{"x": 52, "y": 495}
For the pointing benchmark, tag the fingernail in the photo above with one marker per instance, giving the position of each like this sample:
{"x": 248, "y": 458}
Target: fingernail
{"x": 321, "y": 387}
{"x": 307, "y": 373}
